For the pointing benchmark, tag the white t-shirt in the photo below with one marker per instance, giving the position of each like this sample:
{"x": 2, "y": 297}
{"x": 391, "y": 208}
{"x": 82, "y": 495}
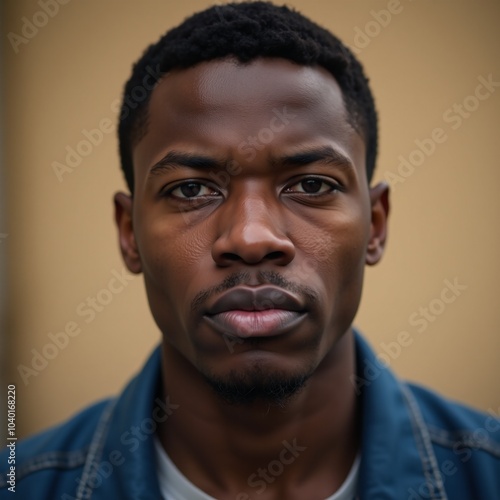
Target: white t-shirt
{"x": 175, "y": 486}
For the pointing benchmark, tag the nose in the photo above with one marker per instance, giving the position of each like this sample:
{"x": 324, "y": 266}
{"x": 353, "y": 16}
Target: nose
{"x": 250, "y": 233}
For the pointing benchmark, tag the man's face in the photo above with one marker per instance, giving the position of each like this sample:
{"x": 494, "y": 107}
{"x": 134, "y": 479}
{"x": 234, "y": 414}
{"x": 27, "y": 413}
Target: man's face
{"x": 252, "y": 219}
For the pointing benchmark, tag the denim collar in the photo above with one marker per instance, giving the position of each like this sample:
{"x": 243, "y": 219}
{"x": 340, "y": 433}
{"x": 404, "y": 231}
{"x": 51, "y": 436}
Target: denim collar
{"x": 396, "y": 452}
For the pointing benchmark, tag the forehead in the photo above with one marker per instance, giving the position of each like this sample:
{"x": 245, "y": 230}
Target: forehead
{"x": 222, "y": 104}
{"x": 229, "y": 82}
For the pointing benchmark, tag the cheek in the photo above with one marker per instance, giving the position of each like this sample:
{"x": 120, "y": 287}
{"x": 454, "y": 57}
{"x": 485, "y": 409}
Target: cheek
{"x": 335, "y": 247}
{"x": 173, "y": 254}
{"x": 172, "y": 259}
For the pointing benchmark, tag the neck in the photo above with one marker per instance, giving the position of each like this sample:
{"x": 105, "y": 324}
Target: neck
{"x": 312, "y": 441}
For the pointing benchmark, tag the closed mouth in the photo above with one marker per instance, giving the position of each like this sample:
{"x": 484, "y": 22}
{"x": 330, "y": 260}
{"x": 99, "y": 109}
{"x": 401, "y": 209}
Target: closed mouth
{"x": 245, "y": 324}
{"x": 255, "y": 312}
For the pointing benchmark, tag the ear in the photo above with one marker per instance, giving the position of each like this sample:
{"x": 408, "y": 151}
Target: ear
{"x": 379, "y": 200}
{"x": 124, "y": 222}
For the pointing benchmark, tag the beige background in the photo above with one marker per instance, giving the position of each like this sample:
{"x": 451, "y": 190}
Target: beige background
{"x": 62, "y": 247}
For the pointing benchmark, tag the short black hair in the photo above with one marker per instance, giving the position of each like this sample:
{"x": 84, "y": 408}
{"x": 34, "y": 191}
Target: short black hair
{"x": 246, "y": 31}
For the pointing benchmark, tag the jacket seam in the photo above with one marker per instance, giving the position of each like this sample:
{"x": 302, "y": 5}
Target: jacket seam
{"x": 463, "y": 437}
{"x": 95, "y": 451}
{"x": 424, "y": 447}
{"x": 48, "y": 460}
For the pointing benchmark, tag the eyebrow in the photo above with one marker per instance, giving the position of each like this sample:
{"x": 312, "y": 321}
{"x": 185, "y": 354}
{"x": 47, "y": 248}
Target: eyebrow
{"x": 176, "y": 159}
{"x": 325, "y": 154}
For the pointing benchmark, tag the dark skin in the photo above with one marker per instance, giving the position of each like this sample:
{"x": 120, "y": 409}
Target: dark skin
{"x": 299, "y": 207}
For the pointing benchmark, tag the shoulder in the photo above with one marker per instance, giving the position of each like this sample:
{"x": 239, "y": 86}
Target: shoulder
{"x": 466, "y": 443}
{"x": 75, "y": 457}
{"x": 58, "y": 452}
{"x": 450, "y": 422}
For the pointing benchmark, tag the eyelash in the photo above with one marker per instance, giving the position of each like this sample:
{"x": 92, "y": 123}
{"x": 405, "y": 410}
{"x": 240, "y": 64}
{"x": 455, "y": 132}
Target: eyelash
{"x": 333, "y": 187}
{"x": 169, "y": 192}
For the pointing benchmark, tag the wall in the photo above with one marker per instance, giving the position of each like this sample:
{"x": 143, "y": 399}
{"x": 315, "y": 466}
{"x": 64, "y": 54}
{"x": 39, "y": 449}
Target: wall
{"x": 65, "y": 78}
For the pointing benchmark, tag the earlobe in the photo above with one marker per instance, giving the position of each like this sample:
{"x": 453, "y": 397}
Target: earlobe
{"x": 126, "y": 237}
{"x": 379, "y": 200}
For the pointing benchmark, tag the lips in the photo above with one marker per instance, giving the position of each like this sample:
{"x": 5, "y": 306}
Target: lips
{"x": 255, "y": 312}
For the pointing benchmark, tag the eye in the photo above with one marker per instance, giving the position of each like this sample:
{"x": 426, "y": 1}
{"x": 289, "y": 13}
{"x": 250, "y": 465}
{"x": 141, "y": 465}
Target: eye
{"x": 190, "y": 190}
{"x": 313, "y": 185}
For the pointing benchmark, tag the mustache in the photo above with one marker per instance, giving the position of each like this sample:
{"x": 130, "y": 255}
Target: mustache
{"x": 263, "y": 278}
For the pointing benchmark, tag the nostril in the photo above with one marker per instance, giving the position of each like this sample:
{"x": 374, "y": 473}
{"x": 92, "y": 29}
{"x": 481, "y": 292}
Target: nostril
{"x": 234, "y": 257}
{"x": 274, "y": 255}
{"x": 230, "y": 256}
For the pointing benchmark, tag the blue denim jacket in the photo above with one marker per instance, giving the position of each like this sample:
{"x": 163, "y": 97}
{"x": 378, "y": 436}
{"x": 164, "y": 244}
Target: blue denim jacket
{"x": 415, "y": 444}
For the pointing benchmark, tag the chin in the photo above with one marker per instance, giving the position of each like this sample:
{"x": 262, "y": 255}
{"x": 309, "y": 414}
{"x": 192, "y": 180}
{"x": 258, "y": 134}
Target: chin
{"x": 258, "y": 382}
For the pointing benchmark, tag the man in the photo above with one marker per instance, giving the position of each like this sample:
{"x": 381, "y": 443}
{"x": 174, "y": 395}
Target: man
{"x": 251, "y": 217}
